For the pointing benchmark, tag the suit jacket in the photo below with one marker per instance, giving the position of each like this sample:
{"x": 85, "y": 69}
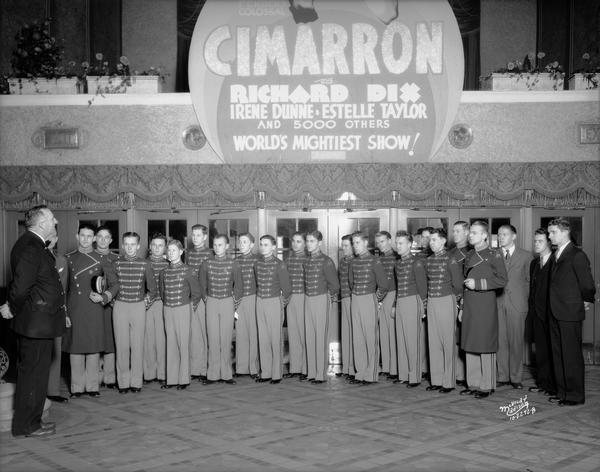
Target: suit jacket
{"x": 516, "y": 291}
{"x": 539, "y": 278}
{"x": 571, "y": 283}
{"x": 35, "y": 295}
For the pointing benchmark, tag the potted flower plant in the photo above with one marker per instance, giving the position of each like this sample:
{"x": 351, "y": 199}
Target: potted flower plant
{"x": 36, "y": 63}
{"x": 102, "y": 79}
{"x": 528, "y": 74}
{"x": 587, "y": 76}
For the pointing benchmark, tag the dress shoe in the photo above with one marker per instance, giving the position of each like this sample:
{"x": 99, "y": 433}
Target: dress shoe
{"x": 290, "y": 375}
{"x": 445, "y": 390}
{"x": 433, "y": 387}
{"x": 392, "y": 377}
{"x": 517, "y": 385}
{"x": 195, "y": 377}
{"x": 38, "y": 433}
{"x": 253, "y": 376}
{"x": 536, "y": 390}
{"x": 366, "y": 383}
{"x": 502, "y": 384}
{"x": 48, "y": 425}
{"x": 146, "y": 382}
{"x": 339, "y": 374}
{"x": 93, "y": 394}
{"x": 354, "y": 381}
{"x": 202, "y": 378}
{"x": 208, "y": 382}
{"x": 550, "y": 393}
{"x": 467, "y": 391}
{"x": 569, "y": 403}
{"x": 275, "y": 381}
{"x": 167, "y": 386}
{"x": 76, "y": 394}
{"x": 481, "y": 394}
{"x": 112, "y": 386}
{"x": 303, "y": 377}
{"x": 261, "y": 380}
{"x": 182, "y": 386}
{"x": 317, "y": 382}
{"x": 413, "y": 385}
{"x": 398, "y": 381}
{"x": 57, "y": 398}
{"x": 461, "y": 383}
{"x": 135, "y": 389}
{"x": 554, "y": 399}
{"x": 123, "y": 390}
{"x": 230, "y": 382}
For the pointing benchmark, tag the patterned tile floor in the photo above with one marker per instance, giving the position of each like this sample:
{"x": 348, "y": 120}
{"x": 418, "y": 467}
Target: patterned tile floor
{"x": 298, "y": 426}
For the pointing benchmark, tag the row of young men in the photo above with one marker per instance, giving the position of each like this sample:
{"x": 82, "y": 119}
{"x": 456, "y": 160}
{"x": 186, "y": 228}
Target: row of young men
{"x": 412, "y": 286}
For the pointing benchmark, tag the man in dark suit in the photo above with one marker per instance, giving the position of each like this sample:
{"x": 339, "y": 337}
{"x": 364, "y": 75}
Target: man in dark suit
{"x": 36, "y": 299}
{"x": 571, "y": 294}
{"x": 512, "y": 309}
{"x": 539, "y": 275}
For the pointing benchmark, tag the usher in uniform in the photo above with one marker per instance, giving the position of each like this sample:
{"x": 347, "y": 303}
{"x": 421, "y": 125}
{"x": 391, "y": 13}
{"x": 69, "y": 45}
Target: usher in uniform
{"x": 387, "y": 328}
{"x": 246, "y": 332}
{"x": 411, "y": 291}
{"x": 180, "y": 293}
{"x": 198, "y": 338}
{"x": 369, "y": 284}
{"x": 107, "y": 370}
{"x": 84, "y": 340}
{"x": 154, "y": 337}
{"x": 272, "y": 284}
{"x": 346, "y": 320}
{"x": 221, "y": 286}
{"x": 320, "y": 286}
{"x": 479, "y": 337}
{"x": 129, "y": 318}
{"x": 295, "y": 313}
{"x": 444, "y": 288}
{"x": 460, "y": 254}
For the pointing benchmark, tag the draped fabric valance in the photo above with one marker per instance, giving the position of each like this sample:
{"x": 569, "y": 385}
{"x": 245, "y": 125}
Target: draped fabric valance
{"x": 549, "y": 184}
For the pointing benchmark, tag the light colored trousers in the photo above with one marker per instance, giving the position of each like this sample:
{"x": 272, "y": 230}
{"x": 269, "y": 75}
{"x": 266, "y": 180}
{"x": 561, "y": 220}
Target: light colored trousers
{"x": 347, "y": 344}
{"x": 296, "y": 325}
{"x": 198, "y": 341}
{"x": 387, "y": 335}
{"x": 269, "y": 316}
{"x": 84, "y": 372}
{"x": 129, "y": 320}
{"x": 316, "y": 311}
{"x": 365, "y": 333}
{"x": 177, "y": 327}
{"x": 441, "y": 323}
{"x": 219, "y": 328}
{"x": 155, "y": 356}
{"x": 246, "y": 337}
{"x": 481, "y": 371}
{"x": 107, "y": 369}
{"x": 409, "y": 315}
{"x": 511, "y": 342}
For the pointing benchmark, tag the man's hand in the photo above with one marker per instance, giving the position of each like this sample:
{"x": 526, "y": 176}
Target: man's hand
{"x": 5, "y": 312}
{"x": 470, "y": 284}
{"x": 96, "y": 297}
{"x": 587, "y": 305}
{"x": 68, "y": 322}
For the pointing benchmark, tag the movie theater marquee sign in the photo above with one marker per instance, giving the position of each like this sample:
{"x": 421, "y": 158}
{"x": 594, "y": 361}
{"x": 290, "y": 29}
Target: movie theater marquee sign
{"x": 299, "y": 81}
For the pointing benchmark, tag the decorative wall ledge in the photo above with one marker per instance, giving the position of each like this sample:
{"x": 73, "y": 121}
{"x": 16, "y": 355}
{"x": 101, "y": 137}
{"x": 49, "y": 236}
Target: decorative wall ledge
{"x": 547, "y": 184}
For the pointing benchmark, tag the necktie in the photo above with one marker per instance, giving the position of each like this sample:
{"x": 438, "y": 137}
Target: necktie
{"x": 507, "y": 254}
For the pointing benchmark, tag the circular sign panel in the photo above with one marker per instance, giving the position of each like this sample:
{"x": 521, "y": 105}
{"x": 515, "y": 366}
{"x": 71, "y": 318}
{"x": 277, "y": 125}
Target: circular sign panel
{"x": 326, "y": 80}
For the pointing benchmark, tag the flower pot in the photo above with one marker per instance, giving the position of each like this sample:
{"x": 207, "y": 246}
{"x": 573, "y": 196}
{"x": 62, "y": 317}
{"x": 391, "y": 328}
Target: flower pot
{"x": 522, "y": 81}
{"x": 128, "y": 84}
{"x": 61, "y": 86}
{"x": 584, "y": 81}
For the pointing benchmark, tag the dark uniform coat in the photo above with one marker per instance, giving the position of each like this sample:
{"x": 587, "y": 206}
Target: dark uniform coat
{"x": 109, "y": 336}
{"x": 86, "y": 334}
{"x": 480, "y": 310}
